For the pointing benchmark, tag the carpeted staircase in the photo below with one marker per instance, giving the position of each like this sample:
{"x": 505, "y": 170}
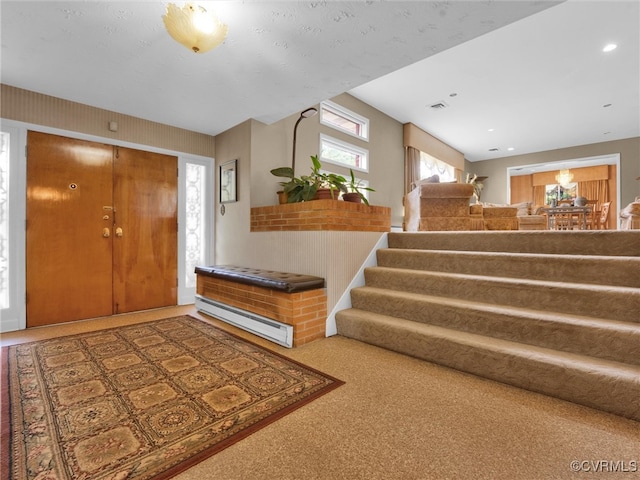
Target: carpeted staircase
{"x": 555, "y": 312}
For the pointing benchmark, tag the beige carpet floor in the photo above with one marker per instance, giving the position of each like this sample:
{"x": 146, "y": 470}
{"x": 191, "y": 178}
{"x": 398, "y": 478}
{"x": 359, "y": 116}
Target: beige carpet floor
{"x": 401, "y": 418}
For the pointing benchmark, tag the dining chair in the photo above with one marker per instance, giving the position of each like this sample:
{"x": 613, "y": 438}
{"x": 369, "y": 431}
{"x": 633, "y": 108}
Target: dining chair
{"x": 593, "y": 216}
{"x": 604, "y": 215}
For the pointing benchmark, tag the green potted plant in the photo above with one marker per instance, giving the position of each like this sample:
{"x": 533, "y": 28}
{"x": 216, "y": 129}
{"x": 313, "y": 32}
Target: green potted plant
{"x": 296, "y": 189}
{"x": 355, "y": 189}
{"x": 329, "y": 185}
{"x": 306, "y": 187}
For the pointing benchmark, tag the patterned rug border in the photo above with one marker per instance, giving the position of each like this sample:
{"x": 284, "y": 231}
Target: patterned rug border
{"x": 5, "y": 407}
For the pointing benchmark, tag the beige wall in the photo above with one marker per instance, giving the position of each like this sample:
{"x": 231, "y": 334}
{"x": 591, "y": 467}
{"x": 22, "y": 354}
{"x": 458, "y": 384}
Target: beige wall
{"x": 335, "y": 256}
{"x": 495, "y": 188}
{"x": 38, "y": 109}
{"x": 386, "y": 155}
{"x": 272, "y": 146}
{"x": 232, "y": 241}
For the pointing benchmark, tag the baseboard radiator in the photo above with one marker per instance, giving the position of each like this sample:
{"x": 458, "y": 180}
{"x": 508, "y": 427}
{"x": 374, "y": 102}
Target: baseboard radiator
{"x": 264, "y": 327}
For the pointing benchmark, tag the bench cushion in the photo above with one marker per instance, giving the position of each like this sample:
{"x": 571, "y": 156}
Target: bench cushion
{"x": 283, "y": 281}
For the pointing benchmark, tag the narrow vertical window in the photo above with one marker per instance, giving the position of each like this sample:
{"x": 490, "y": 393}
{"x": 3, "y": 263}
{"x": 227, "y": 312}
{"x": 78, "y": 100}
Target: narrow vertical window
{"x": 195, "y": 179}
{"x": 4, "y": 221}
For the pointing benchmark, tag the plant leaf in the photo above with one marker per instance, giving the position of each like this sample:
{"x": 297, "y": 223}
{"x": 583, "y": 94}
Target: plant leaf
{"x": 283, "y": 172}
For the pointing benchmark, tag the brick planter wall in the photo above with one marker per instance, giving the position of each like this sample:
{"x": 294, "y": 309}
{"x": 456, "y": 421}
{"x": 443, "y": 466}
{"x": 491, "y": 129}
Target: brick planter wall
{"x": 306, "y": 311}
{"x": 332, "y": 215}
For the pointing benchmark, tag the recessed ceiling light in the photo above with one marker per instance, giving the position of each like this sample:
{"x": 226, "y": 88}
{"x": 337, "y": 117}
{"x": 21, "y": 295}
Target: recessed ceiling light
{"x": 610, "y": 47}
{"x": 491, "y": 130}
{"x": 511, "y": 149}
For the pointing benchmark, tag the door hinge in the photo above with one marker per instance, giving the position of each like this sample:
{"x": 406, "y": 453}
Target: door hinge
{"x": 117, "y": 152}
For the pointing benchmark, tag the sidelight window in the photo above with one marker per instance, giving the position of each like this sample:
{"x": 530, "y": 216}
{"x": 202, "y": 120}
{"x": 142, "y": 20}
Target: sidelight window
{"x": 4, "y": 220}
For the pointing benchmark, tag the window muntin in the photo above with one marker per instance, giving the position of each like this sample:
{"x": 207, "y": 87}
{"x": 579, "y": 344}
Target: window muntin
{"x": 342, "y": 153}
{"x": 343, "y": 119}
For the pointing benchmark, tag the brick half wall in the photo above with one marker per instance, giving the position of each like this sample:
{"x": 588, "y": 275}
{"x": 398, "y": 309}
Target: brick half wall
{"x": 305, "y": 311}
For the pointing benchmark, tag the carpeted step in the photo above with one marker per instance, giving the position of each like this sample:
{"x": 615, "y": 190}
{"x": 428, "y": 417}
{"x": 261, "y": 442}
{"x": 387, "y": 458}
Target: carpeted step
{"x": 606, "y": 339}
{"x": 607, "y": 302}
{"x": 606, "y": 385}
{"x": 621, "y": 271}
{"x": 588, "y": 242}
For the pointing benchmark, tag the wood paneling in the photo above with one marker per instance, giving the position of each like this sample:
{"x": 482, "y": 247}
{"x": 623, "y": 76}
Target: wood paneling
{"x": 521, "y": 189}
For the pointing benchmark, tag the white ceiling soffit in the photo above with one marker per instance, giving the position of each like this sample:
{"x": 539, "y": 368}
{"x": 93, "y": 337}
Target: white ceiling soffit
{"x": 541, "y": 83}
{"x": 279, "y": 58}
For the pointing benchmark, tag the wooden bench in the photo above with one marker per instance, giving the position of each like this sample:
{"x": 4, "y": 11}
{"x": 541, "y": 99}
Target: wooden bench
{"x": 287, "y": 308}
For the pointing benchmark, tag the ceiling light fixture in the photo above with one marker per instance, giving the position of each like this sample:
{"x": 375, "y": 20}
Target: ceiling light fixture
{"x": 564, "y": 178}
{"x": 609, "y": 48}
{"x": 194, "y": 27}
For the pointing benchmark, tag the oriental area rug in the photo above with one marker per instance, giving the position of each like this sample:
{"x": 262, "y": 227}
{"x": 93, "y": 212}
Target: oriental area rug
{"x": 144, "y": 401}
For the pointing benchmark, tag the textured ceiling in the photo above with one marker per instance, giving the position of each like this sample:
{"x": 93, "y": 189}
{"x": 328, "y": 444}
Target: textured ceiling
{"x": 281, "y": 57}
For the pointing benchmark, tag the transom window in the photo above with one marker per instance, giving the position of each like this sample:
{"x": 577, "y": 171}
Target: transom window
{"x": 343, "y": 119}
{"x": 341, "y": 153}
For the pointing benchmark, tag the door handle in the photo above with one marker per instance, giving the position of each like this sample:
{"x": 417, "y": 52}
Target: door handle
{"x": 105, "y": 232}
{"x": 119, "y": 232}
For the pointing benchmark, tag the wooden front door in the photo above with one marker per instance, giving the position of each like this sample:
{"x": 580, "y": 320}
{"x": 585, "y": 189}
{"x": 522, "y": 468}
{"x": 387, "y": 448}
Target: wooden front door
{"x": 101, "y": 230}
{"x": 145, "y": 267}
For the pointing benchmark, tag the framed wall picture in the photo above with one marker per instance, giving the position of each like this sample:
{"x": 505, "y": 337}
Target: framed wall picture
{"x": 229, "y": 182}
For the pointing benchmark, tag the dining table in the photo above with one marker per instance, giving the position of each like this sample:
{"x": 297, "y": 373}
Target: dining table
{"x": 567, "y": 217}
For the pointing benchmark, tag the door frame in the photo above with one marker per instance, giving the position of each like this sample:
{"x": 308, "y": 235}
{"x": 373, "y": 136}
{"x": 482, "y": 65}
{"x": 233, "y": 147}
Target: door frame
{"x": 16, "y": 318}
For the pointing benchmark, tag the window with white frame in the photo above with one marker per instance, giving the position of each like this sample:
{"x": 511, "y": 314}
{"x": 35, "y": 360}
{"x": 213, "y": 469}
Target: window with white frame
{"x": 4, "y": 221}
{"x": 360, "y": 183}
{"x": 343, "y": 119}
{"x": 342, "y": 153}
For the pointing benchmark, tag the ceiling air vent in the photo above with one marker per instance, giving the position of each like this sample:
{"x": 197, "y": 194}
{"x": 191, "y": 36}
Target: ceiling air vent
{"x": 494, "y": 149}
{"x": 438, "y": 105}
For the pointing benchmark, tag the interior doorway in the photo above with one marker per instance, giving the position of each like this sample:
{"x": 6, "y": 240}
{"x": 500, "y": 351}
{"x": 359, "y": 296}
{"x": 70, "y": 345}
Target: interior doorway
{"x": 101, "y": 234}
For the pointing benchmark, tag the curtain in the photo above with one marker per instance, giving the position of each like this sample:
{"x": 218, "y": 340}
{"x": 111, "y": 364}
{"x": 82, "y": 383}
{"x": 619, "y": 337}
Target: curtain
{"x": 411, "y": 168}
{"x": 595, "y": 190}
